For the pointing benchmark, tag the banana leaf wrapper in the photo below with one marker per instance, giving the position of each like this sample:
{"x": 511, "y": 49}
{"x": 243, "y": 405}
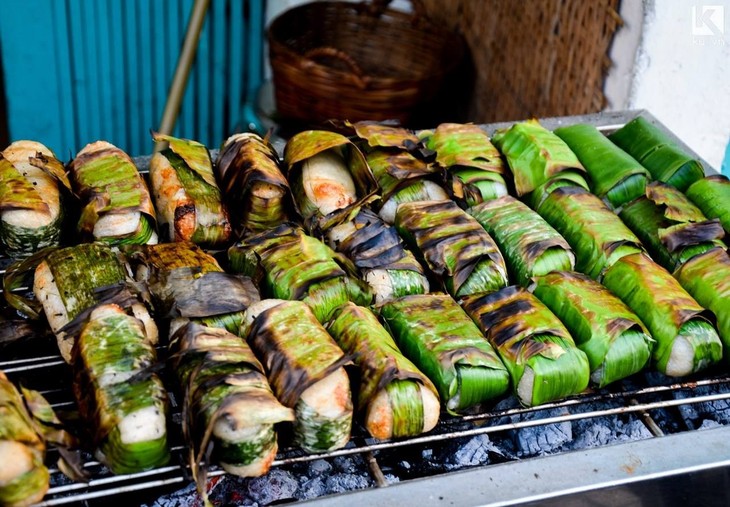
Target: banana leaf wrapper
{"x": 297, "y": 353}
{"x": 672, "y": 228}
{"x": 543, "y": 362}
{"x": 686, "y": 341}
{"x": 434, "y": 332}
{"x": 24, "y": 447}
{"x": 123, "y": 401}
{"x": 615, "y": 176}
{"x": 116, "y": 203}
{"x": 306, "y": 145}
{"x": 31, "y": 200}
{"x": 475, "y": 168}
{"x": 530, "y": 245}
{"x": 187, "y": 195}
{"x": 253, "y": 183}
{"x": 656, "y": 151}
{"x": 185, "y": 281}
{"x": 288, "y": 264}
{"x": 227, "y": 400}
{"x": 378, "y": 252}
{"x": 613, "y": 338}
{"x": 382, "y": 367}
{"x": 707, "y": 278}
{"x": 597, "y": 236}
{"x": 453, "y": 245}
{"x": 712, "y": 196}
{"x": 535, "y": 155}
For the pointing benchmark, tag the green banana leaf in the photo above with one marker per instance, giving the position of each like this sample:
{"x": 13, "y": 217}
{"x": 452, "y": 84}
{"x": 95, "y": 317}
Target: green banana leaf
{"x": 712, "y": 195}
{"x": 670, "y": 226}
{"x": 378, "y": 252}
{"x": 453, "y": 245}
{"x": 253, "y": 184}
{"x": 707, "y": 278}
{"x": 475, "y": 168}
{"x": 543, "y": 362}
{"x": 187, "y": 196}
{"x": 288, "y": 264}
{"x": 359, "y": 333}
{"x": 535, "y": 155}
{"x": 530, "y": 245}
{"x": 615, "y": 176}
{"x": 434, "y": 332}
{"x": 613, "y": 338}
{"x": 597, "y": 236}
{"x": 297, "y": 353}
{"x": 660, "y": 154}
{"x": 108, "y": 183}
{"x": 686, "y": 342}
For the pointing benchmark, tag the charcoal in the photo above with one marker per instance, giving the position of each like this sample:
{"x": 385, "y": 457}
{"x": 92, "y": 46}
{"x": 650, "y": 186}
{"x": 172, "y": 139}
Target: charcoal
{"x": 474, "y": 452}
{"x": 184, "y": 497}
{"x": 544, "y": 439}
{"x": 391, "y": 479}
{"x": 601, "y": 431}
{"x": 342, "y": 482}
{"x": 312, "y": 488}
{"x": 349, "y": 464}
{"x": 319, "y": 467}
{"x": 277, "y": 485}
{"x": 696, "y": 413}
{"x": 405, "y": 465}
{"x": 709, "y": 424}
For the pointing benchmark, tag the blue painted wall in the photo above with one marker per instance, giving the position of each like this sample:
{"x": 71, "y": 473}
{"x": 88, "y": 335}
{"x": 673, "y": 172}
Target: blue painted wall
{"x": 81, "y": 70}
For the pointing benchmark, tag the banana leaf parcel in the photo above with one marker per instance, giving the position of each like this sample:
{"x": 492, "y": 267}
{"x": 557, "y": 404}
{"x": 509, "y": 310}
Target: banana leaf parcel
{"x": 253, "y": 184}
{"x": 389, "y": 269}
{"x": 686, "y": 341}
{"x": 530, "y": 245}
{"x": 453, "y": 245}
{"x": 397, "y": 400}
{"x": 597, "y": 236}
{"x": 434, "y": 332}
{"x": 124, "y": 402}
{"x": 615, "y": 176}
{"x": 543, "y": 362}
{"x": 186, "y": 193}
{"x": 672, "y": 228}
{"x": 31, "y": 200}
{"x": 660, "y": 154}
{"x": 304, "y": 366}
{"x": 712, "y": 195}
{"x": 613, "y": 338}
{"x": 474, "y": 166}
{"x": 116, "y": 203}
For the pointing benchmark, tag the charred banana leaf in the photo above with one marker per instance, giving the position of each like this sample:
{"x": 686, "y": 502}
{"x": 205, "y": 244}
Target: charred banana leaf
{"x": 396, "y": 399}
{"x": 23, "y": 476}
{"x": 536, "y": 156}
{"x": 434, "y": 332}
{"x": 475, "y": 168}
{"x": 539, "y": 353}
{"x": 530, "y": 245}
{"x": 304, "y": 366}
{"x": 329, "y": 176}
{"x": 254, "y": 187}
{"x": 453, "y": 245}
{"x": 116, "y": 203}
{"x": 31, "y": 202}
{"x": 377, "y": 251}
{"x": 185, "y": 281}
{"x": 611, "y": 335}
{"x": 187, "y": 195}
{"x": 598, "y": 237}
{"x": 615, "y": 175}
{"x": 712, "y": 196}
{"x": 672, "y": 228}
{"x": 227, "y": 401}
{"x": 707, "y": 278}
{"x": 288, "y": 264}
{"x": 125, "y": 404}
{"x": 686, "y": 342}
{"x": 661, "y": 155}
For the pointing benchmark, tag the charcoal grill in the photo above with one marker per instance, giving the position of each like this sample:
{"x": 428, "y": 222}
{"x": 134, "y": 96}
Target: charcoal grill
{"x": 674, "y": 456}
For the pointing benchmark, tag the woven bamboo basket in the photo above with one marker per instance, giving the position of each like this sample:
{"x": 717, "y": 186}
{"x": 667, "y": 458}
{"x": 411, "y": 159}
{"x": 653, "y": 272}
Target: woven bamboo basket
{"x": 357, "y": 61}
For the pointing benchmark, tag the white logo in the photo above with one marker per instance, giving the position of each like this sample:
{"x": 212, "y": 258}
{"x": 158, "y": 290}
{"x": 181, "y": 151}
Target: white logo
{"x": 708, "y": 20}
